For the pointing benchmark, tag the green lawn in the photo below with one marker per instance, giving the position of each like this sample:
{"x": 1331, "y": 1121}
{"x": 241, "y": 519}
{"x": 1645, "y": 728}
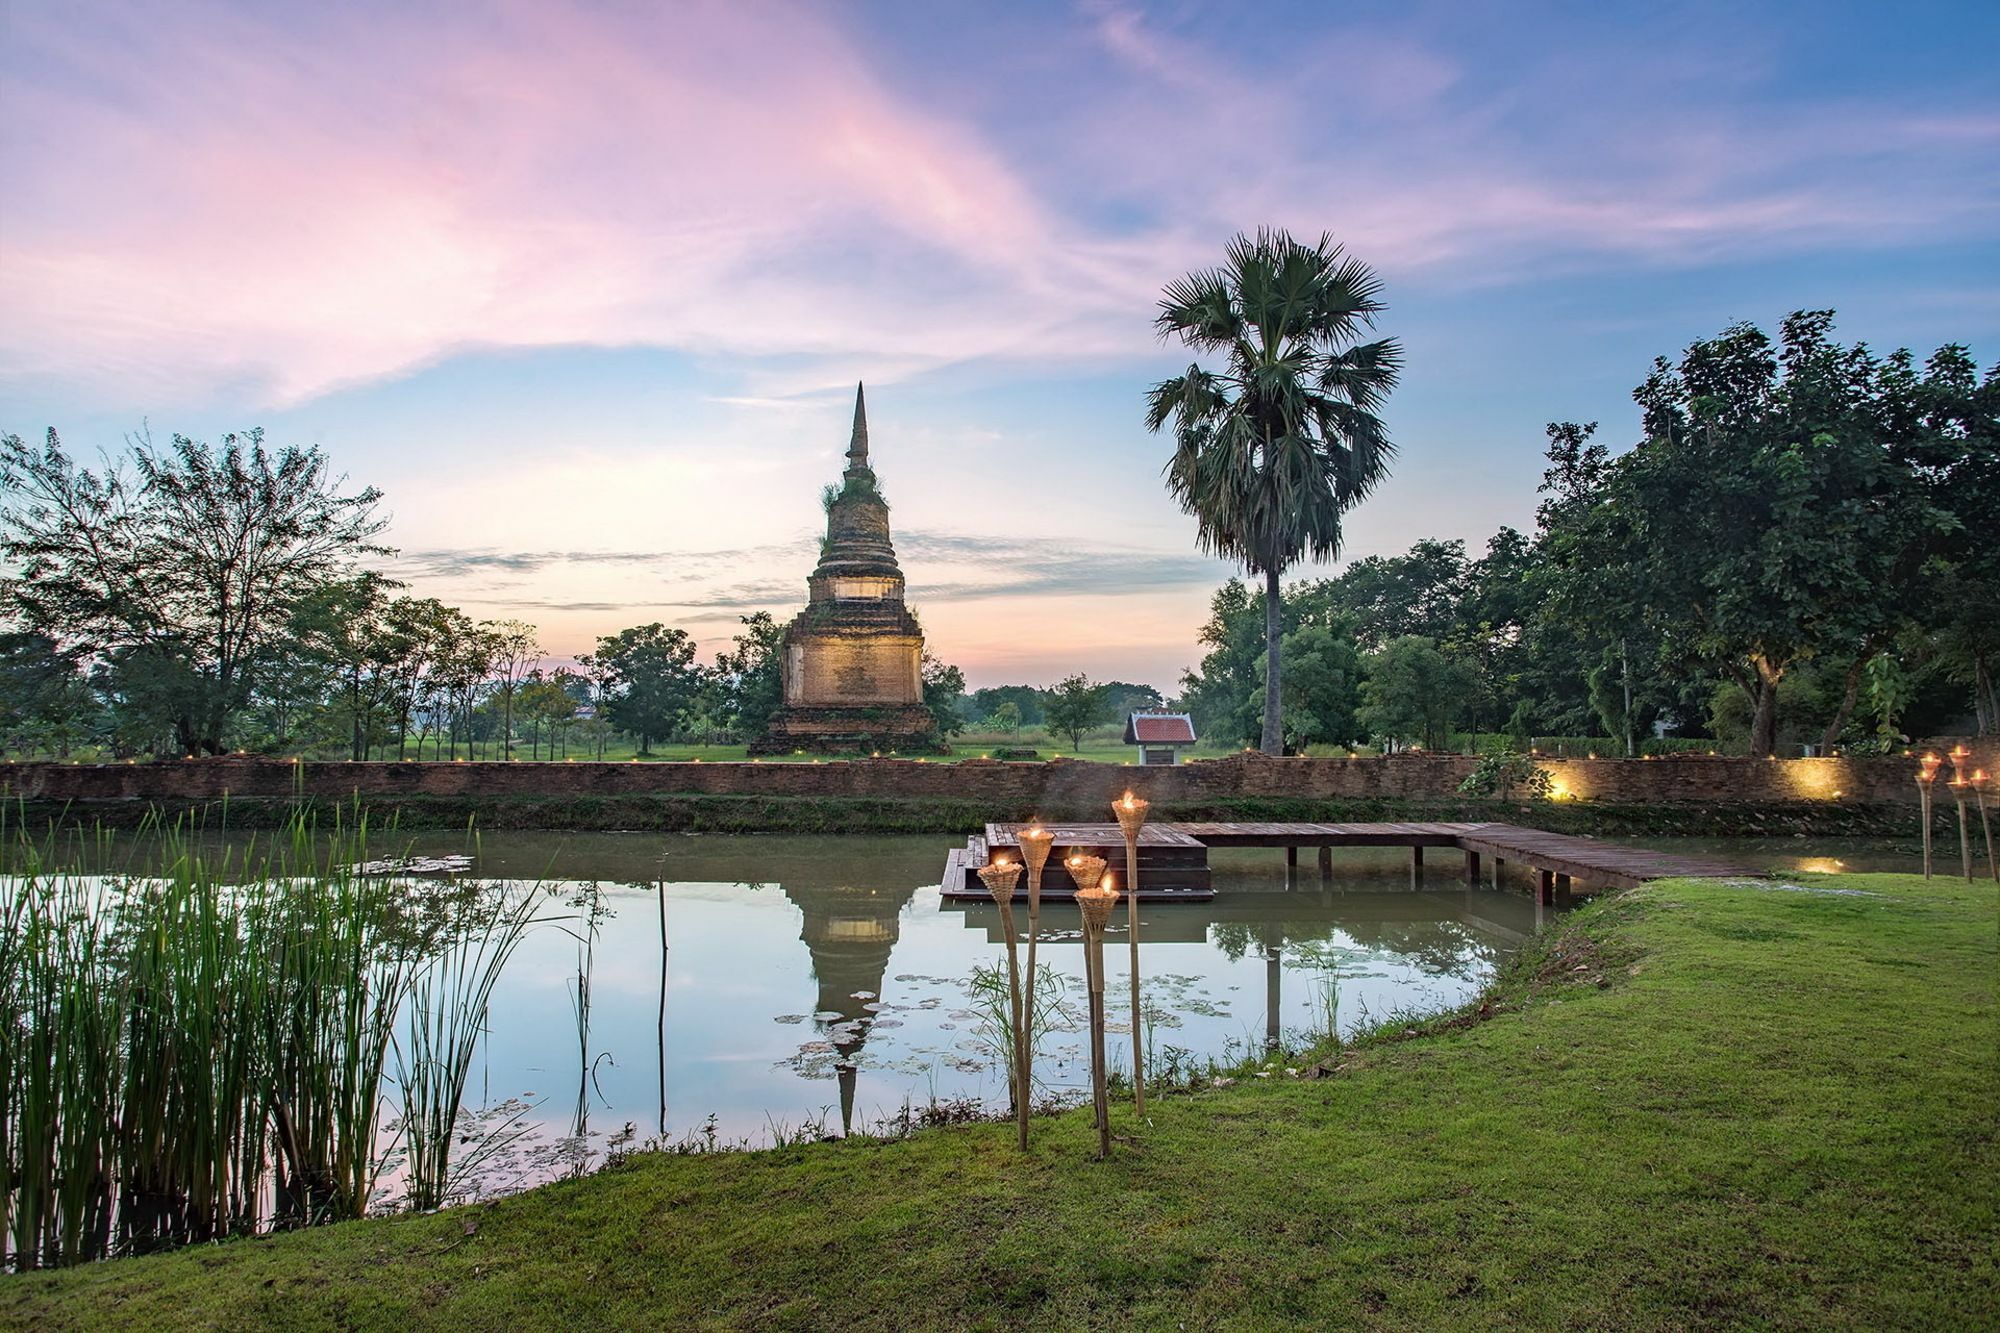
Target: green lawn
{"x": 1700, "y": 1103}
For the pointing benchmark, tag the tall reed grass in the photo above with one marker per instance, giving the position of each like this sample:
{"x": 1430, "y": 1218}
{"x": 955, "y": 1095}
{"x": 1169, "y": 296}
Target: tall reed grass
{"x": 201, "y": 1047}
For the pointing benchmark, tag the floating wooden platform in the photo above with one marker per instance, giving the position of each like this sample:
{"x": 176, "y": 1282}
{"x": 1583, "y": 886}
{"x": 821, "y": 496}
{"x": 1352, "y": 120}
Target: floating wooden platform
{"x": 1173, "y": 858}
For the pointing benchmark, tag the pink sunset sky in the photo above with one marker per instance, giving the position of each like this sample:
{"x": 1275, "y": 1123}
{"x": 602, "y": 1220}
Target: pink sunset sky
{"x": 586, "y": 288}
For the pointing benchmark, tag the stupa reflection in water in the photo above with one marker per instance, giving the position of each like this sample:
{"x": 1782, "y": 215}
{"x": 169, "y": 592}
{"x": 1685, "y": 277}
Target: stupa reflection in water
{"x": 850, "y": 931}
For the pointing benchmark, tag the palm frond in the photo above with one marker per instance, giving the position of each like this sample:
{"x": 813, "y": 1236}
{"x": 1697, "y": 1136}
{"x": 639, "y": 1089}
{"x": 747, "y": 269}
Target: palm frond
{"x": 1274, "y": 447}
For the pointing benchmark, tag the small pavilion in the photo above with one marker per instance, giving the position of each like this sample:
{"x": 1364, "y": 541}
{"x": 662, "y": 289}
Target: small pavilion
{"x": 1160, "y": 736}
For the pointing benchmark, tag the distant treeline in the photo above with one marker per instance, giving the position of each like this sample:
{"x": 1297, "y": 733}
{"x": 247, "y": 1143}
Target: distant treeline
{"x": 1801, "y": 550}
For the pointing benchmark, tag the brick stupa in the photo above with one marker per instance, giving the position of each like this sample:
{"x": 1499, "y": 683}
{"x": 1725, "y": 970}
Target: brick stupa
{"x": 853, "y": 659}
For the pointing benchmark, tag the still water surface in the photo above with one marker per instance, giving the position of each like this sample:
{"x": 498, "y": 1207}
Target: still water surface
{"x": 820, "y": 982}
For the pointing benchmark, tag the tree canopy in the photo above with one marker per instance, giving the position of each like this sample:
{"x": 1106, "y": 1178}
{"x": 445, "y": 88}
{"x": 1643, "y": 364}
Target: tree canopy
{"x": 180, "y": 569}
{"x": 650, "y": 677}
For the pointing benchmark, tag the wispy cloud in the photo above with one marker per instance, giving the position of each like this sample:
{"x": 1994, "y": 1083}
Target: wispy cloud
{"x": 317, "y": 197}
{"x": 941, "y": 567}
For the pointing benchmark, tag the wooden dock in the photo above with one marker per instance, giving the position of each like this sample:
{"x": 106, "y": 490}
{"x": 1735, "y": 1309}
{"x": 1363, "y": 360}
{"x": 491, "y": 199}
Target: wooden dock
{"x": 1173, "y": 857}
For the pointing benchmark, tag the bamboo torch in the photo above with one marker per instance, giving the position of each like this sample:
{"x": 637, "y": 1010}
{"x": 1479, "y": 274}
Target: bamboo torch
{"x": 1958, "y": 785}
{"x": 1000, "y": 877}
{"x": 1131, "y": 814}
{"x": 1035, "y": 843}
{"x": 1095, "y": 902}
{"x": 1927, "y": 769}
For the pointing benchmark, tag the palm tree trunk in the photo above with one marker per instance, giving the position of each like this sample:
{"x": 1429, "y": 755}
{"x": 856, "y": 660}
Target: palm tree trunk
{"x": 1274, "y": 706}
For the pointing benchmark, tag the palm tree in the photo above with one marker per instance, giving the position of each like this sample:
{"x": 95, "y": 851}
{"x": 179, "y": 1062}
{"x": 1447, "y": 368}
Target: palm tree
{"x": 1273, "y": 449}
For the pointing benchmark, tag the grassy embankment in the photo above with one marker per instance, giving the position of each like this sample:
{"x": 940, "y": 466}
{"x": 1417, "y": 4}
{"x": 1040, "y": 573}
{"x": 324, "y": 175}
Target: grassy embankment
{"x": 1695, "y": 1103}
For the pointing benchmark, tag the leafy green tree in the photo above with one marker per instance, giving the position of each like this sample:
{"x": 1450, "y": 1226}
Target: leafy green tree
{"x": 1007, "y": 718}
{"x": 1387, "y": 597}
{"x": 1414, "y": 692}
{"x": 597, "y": 678}
{"x": 1948, "y": 421}
{"x": 1027, "y": 701}
{"x": 515, "y": 651}
{"x": 182, "y": 566}
{"x": 1273, "y": 449}
{"x": 423, "y": 629}
{"x": 1224, "y": 694}
{"x": 544, "y": 699}
{"x": 752, "y": 672}
{"x": 708, "y": 716}
{"x": 46, "y": 703}
{"x": 342, "y": 631}
{"x": 1765, "y": 520}
{"x": 1122, "y": 698}
{"x": 944, "y": 686}
{"x": 1073, "y": 706}
{"x": 459, "y": 680}
{"x": 652, "y": 679}
{"x": 1322, "y": 676}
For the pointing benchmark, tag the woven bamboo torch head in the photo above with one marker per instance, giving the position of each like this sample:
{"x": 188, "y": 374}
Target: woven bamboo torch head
{"x": 1096, "y": 903}
{"x": 1035, "y": 844}
{"x": 1131, "y": 812}
{"x": 1000, "y": 877}
{"x": 1085, "y": 869}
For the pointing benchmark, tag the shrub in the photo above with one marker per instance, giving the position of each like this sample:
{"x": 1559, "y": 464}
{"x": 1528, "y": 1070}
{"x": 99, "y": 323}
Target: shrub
{"x": 1507, "y": 775}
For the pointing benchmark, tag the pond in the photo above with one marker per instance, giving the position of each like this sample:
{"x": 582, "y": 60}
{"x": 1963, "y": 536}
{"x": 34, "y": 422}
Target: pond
{"x": 820, "y": 985}
{"x": 709, "y": 991}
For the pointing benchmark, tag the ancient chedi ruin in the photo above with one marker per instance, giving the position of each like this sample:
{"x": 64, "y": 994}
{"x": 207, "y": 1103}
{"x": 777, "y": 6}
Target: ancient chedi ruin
{"x": 853, "y": 659}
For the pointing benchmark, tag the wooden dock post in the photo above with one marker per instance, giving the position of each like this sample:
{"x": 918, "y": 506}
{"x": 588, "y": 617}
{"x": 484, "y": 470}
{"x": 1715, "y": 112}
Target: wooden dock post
{"x": 1545, "y": 887}
{"x": 1498, "y": 866}
{"x": 1416, "y": 867}
{"x": 1472, "y": 870}
{"x": 1326, "y": 866}
{"x": 1291, "y": 861}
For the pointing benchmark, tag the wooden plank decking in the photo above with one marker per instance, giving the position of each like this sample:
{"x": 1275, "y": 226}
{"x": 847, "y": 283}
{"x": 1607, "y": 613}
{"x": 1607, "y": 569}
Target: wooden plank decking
{"x": 1174, "y": 856}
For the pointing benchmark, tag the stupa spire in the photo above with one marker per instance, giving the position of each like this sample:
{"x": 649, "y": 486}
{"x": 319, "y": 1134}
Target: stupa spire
{"x": 857, "y": 447}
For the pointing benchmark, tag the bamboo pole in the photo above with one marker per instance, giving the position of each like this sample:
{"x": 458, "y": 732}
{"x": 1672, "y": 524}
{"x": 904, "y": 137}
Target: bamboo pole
{"x": 1095, "y": 903}
{"x": 1131, "y": 814}
{"x": 1985, "y": 824}
{"x": 1926, "y": 774}
{"x": 1035, "y": 843}
{"x": 1964, "y": 832}
{"x": 1000, "y": 878}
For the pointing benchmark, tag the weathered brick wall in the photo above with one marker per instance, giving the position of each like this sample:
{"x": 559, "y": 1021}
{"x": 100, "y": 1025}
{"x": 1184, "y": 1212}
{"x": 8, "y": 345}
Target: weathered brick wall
{"x": 1677, "y": 781}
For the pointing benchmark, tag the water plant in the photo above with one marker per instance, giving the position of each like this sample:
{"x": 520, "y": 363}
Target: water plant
{"x": 446, "y": 1013}
{"x": 198, "y": 1048}
{"x": 989, "y": 990}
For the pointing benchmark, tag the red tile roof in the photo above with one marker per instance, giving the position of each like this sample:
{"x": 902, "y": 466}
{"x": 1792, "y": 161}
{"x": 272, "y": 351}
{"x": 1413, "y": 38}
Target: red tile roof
{"x": 1159, "y": 729}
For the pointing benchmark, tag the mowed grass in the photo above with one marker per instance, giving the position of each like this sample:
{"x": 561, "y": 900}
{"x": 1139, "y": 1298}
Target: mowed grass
{"x": 1697, "y": 1104}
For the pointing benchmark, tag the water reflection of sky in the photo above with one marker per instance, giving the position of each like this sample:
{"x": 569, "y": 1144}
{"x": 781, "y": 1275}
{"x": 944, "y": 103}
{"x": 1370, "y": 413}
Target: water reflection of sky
{"x": 830, "y": 984}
